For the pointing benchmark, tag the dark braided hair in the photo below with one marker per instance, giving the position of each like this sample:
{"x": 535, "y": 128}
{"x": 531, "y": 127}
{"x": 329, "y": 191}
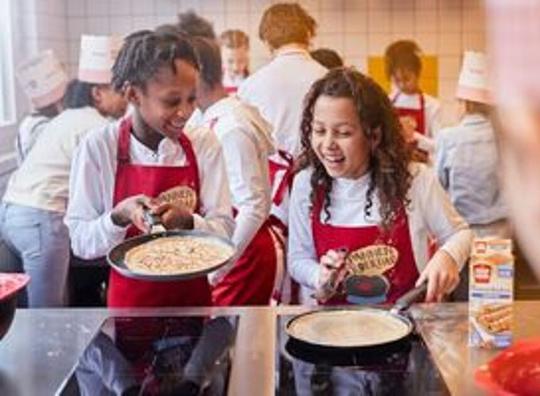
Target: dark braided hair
{"x": 389, "y": 163}
{"x": 209, "y": 57}
{"x": 145, "y": 52}
{"x": 195, "y": 25}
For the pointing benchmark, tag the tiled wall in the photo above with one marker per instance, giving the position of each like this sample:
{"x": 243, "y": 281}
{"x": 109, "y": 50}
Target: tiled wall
{"x": 355, "y": 28}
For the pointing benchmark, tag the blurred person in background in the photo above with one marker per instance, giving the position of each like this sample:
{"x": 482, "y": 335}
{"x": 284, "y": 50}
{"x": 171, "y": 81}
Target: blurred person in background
{"x": 278, "y": 89}
{"x": 44, "y": 82}
{"x": 511, "y": 28}
{"x": 235, "y": 56}
{"x": 467, "y": 159}
{"x": 419, "y": 112}
{"x": 36, "y": 198}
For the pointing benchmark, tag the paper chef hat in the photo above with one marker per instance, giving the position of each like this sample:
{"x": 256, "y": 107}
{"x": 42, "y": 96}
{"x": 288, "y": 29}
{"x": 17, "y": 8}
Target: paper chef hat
{"x": 97, "y": 57}
{"x": 473, "y": 83}
{"x": 43, "y": 79}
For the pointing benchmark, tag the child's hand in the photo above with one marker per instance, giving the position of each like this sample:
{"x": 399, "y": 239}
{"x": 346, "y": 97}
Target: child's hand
{"x": 131, "y": 211}
{"x": 173, "y": 216}
{"x": 442, "y": 275}
{"x": 332, "y": 271}
{"x": 408, "y": 125}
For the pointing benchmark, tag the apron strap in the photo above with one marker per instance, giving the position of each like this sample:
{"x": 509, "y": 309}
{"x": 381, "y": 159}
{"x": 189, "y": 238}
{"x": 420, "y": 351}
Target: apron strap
{"x": 122, "y": 153}
{"x": 192, "y": 164}
{"x": 286, "y": 182}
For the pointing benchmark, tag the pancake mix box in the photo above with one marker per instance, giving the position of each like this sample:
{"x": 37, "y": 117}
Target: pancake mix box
{"x": 491, "y": 293}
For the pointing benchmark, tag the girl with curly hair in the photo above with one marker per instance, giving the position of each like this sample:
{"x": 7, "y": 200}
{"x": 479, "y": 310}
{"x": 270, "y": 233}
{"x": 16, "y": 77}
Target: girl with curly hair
{"x": 361, "y": 211}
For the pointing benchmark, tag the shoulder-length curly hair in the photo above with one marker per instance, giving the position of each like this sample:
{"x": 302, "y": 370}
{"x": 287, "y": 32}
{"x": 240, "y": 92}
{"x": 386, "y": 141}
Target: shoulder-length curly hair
{"x": 390, "y": 177}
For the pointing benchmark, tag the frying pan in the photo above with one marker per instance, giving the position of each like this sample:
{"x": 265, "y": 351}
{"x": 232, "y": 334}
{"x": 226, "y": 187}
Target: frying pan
{"x": 302, "y": 329}
{"x": 116, "y": 256}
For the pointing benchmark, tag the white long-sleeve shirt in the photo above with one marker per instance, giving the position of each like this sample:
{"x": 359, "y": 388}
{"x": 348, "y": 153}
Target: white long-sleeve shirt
{"x": 246, "y": 141}
{"x": 278, "y": 89}
{"x": 429, "y": 214}
{"x": 92, "y": 184}
{"x": 42, "y": 180}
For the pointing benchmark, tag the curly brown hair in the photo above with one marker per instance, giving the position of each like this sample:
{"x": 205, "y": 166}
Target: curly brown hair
{"x": 390, "y": 176}
{"x": 286, "y": 23}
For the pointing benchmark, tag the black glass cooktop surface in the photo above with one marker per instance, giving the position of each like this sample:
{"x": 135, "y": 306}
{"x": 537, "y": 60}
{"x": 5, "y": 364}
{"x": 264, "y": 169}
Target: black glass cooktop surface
{"x": 156, "y": 356}
{"x": 402, "y": 370}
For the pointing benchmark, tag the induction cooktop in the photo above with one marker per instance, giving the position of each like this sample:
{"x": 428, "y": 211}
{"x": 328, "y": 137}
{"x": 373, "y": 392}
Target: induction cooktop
{"x": 405, "y": 369}
{"x": 170, "y": 355}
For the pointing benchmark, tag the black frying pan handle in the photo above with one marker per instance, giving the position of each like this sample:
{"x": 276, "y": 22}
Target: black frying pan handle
{"x": 151, "y": 219}
{"x": 410, "y": 297}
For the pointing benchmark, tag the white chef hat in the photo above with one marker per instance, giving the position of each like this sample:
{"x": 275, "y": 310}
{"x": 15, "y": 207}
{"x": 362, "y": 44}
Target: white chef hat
{"x": 43, "y": 79}
{"x": 97, "y": 57}
{"x": 473, "y": 83}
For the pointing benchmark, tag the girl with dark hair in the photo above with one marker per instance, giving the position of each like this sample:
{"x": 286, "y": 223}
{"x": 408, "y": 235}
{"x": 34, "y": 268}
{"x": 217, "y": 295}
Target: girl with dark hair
{"x": 419, "y": 113}
{"x": 247, "y": 142}
{"x": 360, "y": 210}
{"x": 149, "y": 161}
{"x": 36, "y": 198}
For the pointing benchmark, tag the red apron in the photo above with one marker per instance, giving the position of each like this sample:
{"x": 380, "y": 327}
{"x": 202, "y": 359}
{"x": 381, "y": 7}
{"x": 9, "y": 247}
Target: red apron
{"x": 134, "y": 179}
{"x": 251, "y": 279}
{"x": 286, "y": 182}
{"x": 418, "y": 115}
{"x": 231, "y": 90}
{"x": 380, "y": 279}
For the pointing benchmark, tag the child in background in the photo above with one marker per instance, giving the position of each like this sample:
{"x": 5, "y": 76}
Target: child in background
{"x": 327, "y": 57}
{"x": 44, "y": 81}
{"x": 125, "y": 167}
{"x": 247, "y": 142}
{"x": 419, "y": 113}
{"x": 360, "y": 210}
{"x": 278, "y": 89}
{"x": 467, "y": 158}
{"x": 235, "y": 56}
{"x": 33, "y": 208}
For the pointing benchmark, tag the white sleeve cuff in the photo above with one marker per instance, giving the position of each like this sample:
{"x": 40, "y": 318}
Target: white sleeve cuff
{"x": 110, "y": 228}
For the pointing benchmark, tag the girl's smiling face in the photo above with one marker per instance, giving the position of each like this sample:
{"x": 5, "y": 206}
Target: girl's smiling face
{"x": 168, "y": 99}
{"x": 338, "y": 139}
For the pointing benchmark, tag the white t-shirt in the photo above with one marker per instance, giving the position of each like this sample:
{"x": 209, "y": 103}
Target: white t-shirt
{"x": 92, "y": 184}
